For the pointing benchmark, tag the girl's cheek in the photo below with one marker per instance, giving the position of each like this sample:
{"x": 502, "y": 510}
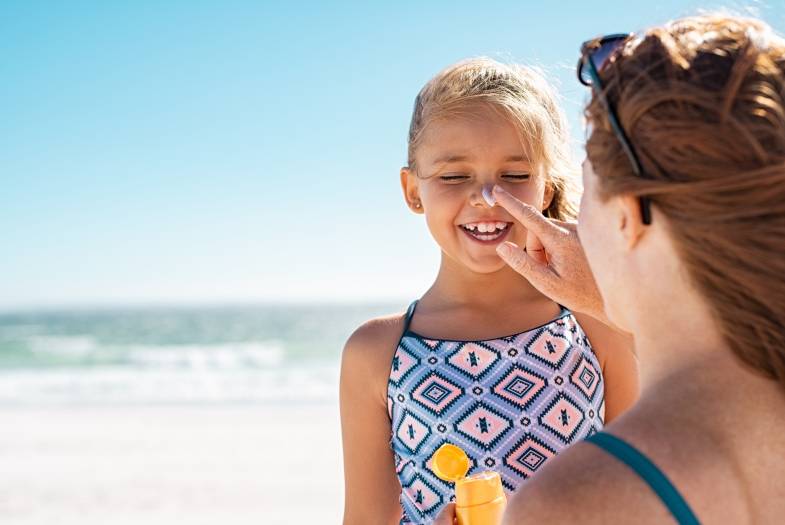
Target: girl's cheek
{"x": 451, "y": 192}
{"x": 528, "y": 193}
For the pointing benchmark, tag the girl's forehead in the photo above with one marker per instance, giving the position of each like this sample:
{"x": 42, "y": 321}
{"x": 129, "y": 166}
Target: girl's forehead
{"x": 462, "y": 139}
{"x": 473, "y": 117}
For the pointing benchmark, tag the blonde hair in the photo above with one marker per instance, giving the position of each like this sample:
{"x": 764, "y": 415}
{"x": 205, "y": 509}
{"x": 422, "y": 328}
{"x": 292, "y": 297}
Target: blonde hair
{"x": 702, "y": 100}
{"x": 521, "y": 94}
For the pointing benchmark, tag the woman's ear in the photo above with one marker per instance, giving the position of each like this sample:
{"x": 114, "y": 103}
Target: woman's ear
{"x": 630, "y": 221}
{"x": 411, "y": 189}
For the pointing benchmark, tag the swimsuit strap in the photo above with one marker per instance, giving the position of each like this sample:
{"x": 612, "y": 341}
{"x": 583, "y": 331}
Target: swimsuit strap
{"x": 649, "y": 472}
{"x": 409, "y": 315}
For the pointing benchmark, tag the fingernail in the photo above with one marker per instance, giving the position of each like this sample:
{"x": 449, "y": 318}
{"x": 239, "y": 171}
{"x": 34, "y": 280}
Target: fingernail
{"x": 498, "y": 189}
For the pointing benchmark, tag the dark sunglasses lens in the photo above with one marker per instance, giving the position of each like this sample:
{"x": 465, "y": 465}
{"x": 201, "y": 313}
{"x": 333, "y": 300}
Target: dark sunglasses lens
{"x": 583, "y": 73}
{"x": 599, "y": 57}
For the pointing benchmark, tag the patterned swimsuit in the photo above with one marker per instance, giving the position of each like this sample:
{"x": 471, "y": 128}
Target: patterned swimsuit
{"x": 511, "y": 403}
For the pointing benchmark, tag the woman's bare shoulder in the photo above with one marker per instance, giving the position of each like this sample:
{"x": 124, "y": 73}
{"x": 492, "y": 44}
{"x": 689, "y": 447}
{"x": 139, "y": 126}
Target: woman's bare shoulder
{"x": 585, "y": 485}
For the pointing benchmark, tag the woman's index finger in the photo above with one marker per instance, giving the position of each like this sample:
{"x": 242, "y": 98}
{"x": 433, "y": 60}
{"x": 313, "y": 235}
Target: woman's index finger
{"x": 526, "y": 214}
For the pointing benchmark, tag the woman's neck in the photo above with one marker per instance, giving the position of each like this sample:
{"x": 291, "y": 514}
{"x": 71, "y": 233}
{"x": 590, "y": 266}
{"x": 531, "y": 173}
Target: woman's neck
{"x": 682, "y": 355}
{"x": 712, "y": 396}
{"x": 674, "y": 337}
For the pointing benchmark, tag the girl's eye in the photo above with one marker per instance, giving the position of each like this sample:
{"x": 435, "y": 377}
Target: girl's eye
{"x": 454, "y": 177}
{"x": 516, "y": 176}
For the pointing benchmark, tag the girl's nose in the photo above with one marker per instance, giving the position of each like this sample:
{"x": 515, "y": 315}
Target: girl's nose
{"x": 487, "y": 194}
{"x": 483, "y": 196}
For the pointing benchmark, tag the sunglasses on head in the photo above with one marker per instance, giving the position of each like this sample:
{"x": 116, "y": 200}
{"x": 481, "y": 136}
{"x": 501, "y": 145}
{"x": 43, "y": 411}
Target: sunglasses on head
{"x": 595, "y": 55}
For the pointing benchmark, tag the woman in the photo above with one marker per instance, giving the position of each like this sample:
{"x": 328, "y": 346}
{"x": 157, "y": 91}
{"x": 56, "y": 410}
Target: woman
{"x": 683, "y": 225}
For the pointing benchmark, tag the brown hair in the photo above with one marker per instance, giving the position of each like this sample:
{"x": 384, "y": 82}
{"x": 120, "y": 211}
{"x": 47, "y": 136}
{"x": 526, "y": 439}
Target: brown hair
{"x": 702, "y": 100}
{"x": 521, "y": 94}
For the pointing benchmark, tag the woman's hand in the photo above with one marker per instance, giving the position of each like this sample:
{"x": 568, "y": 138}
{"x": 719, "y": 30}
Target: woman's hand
{"x": 553, "y": 260}
{"x": 446, "y": 516}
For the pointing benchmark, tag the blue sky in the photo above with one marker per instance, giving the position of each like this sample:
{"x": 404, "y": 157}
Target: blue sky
{"x": 190, "y": 152}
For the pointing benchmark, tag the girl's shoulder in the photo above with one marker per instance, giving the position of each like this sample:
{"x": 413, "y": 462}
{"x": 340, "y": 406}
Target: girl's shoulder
{"x": 604, "y": 339}
{"x": 369, "y": 351}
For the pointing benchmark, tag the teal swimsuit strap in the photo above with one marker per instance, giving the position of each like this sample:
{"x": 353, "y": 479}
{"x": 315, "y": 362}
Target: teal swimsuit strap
{"x": 409, "y": 315}
{"x": 649, "y": 472}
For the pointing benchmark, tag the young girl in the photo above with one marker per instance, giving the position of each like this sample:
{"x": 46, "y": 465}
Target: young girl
{"x": 482, "y": 359}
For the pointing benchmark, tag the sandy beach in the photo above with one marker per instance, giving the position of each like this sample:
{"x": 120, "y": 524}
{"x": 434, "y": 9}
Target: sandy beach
{"x": 232, "y": 464}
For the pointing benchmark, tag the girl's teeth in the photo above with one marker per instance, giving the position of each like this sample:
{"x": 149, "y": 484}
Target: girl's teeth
{"x": 488, "y": 236}
{"x": 486, "y": 231}
{"x": 486, "y": 227}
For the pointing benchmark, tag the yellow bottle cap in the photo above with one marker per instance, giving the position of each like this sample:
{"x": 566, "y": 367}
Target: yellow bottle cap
{"x": 450, "y": 463}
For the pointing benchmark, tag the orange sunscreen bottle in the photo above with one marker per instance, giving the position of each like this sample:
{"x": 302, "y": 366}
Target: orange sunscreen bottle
{"x": 479, "y": 499}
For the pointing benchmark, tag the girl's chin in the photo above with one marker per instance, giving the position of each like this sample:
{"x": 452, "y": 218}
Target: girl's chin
{"x": 486, "y": 267}
{"x": 485, "y": 262}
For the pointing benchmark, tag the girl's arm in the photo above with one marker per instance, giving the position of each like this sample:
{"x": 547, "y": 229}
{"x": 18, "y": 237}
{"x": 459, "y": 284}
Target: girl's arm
{"x": 616, "y": 354}
{"x": 372, "y": 487}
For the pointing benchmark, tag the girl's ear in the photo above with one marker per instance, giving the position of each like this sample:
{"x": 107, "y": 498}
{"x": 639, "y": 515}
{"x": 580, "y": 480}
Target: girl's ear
{"x": 411, "y": 189}
{"x": 547, "y": 197}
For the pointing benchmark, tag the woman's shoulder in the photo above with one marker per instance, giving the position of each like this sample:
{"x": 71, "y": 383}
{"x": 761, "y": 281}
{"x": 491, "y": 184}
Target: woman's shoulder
{"x": 371, "y": 346}
{"x": 586, "y": 484}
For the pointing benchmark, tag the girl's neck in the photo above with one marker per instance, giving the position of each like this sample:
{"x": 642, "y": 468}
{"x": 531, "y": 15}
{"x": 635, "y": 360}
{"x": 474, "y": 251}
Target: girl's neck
{"x": 456, "y": 285}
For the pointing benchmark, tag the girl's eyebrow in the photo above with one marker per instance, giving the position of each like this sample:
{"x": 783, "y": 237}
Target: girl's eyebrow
{"x": 450, "y": 157}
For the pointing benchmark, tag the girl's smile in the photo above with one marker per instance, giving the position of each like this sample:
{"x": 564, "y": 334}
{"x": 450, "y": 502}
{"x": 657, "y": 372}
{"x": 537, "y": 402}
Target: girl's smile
{"x": 487, "y": 232}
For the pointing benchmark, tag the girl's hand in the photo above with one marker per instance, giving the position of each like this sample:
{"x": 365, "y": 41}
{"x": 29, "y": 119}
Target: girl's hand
{"x": 446, "y": 516}
{"x": 553, "y": 260}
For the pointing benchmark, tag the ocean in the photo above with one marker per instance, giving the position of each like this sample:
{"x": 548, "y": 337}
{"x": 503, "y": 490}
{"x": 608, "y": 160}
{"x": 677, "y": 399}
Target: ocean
{"x": 165, "y": 355}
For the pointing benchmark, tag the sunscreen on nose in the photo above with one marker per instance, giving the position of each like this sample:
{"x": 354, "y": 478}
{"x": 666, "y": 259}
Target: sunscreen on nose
{"x": 487, "y": 194}
{"x": 479, "y": 499}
